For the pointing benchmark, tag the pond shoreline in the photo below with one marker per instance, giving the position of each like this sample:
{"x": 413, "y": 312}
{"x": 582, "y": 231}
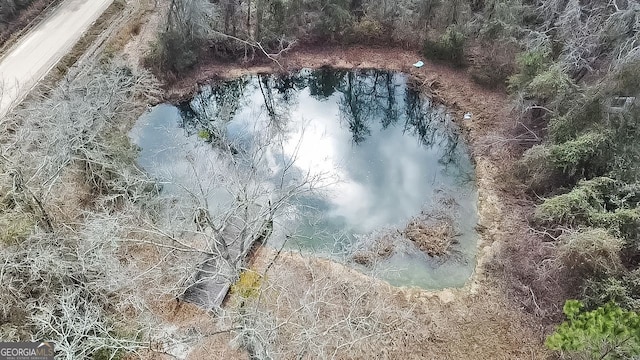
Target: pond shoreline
{"x": 488, "y": 300}
{"x": 451, "y": 87}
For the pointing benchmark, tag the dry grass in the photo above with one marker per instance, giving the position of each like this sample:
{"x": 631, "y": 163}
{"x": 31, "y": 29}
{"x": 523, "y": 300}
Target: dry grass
{"x": 407, "y": 323}
{"x": 435, "y": 239}
{"x": 381, "y": 249}
{"x": 132, "y": 29}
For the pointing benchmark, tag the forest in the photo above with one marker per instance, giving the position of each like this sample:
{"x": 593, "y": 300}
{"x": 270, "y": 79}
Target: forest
{"x": 93, "y": 248}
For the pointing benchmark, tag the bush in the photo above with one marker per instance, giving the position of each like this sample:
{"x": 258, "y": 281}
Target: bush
{"x": 248, "y": 285}
{"x": 15, "y": 226}
{"x": 529, "y": 64}
{"x": 335, "y": 19}
{"x": 493, "y": 65}
{"x": 623, "y": 290}
{"x": 367, "y": 31}
{"x": 536, "y": 170}
{"x": 552, "y": 84}
{"x": 176, "y": 52}
{"x": 627, "y": 79}
{"x": 591, "y": 251}
{"x": 608, "y": 332}
{"x": 584, "y": 156}
{"x": 450, "y": 47}
{"x": 490, "y": 75}
{"x": 583, "y": 115}
{"x": 600, "y": 202}
{"x": 544, "y": 167}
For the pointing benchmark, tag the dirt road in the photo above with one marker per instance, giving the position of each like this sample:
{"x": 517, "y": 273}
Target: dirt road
{"x": 40, "y": 49}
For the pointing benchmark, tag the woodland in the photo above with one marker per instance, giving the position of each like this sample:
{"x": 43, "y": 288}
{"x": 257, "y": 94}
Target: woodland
{"x": 88, "y": 240}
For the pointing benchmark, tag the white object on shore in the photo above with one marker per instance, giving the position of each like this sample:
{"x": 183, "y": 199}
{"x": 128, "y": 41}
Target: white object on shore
{"x": 468, "y": 116}
{"x": 419, "y": 64}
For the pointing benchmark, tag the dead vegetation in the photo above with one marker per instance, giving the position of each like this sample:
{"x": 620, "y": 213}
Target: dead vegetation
{"x": 15, "y": 19}
{"x": 336, "y": 312}
{"x": 435, "y": 238}
{"x": 389, "y": 322}
{"x": 381, "y": 250}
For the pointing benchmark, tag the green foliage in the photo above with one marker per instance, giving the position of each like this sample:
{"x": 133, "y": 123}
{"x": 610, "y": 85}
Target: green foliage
{"x": 577, "y": 206}
{"x": 584, "y": 113}
{"x": 626, "y": 80}
{"x": 450, "y": 47}
{"x": 176, "y": 51}
{"x": 528, "y": 65}
{"x": 608, "y": 332}
{"x": 367, "y": 30}
{"x": 550, "y": 84}
{"x": 248, "y": 285}
{"x": 599, "y": 202}
{"x": 17, "y": 218}
{"x": 591, "y": 251}
{"x": 204, "y": 134}
{"x": 585, "y": 155}
{"x": 546, "y": 166}
{"x": 15, "y": 226}
{"x": 622, "y": 289}
{"x": 108, "y": 354}
{"x": 335, "y": 19}
{"x": 537, "y": 171}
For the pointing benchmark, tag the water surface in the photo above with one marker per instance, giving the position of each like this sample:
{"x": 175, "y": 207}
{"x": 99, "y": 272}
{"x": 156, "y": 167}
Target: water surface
{"x": 383, "y": 152}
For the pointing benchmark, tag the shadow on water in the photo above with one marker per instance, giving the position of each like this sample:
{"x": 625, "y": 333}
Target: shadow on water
{"x": 390, "y": 154}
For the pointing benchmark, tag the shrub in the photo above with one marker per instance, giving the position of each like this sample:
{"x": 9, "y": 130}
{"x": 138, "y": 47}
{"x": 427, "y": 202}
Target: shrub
{"x": 536, "y": 170}
{"x": 584, "y": 114}
{"x": 15, "y": 226}
{"x": 608, "y": 332}
{"x": 551, "y": 84}
{"x": 577, "y": 206}
{"x": 334, "y": 20}
{"x": 624, "y": 222}
{"x": 490, "y": 75}
{"x": 450, "y": 47}
{"x": 600, "y": 202}
{"x": 592, "y": 251}
{"x": 367, "y": 30}
{"x": 623, "y": 290}
{"x": 248, "y": 285}
{"x": 177, "y": 52}
{"x": 529, "y": 64}
{"x": 584, "y": 156}
{"x": 627, "y": 78}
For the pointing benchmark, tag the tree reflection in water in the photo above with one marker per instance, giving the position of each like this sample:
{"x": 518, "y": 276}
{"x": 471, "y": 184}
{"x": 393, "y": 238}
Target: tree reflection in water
{"x": 365, "y": 98}
{"x": 389, "y": 153}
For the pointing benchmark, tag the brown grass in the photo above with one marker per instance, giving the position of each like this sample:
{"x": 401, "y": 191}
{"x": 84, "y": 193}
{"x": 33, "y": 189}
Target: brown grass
{"x": 435, "y": 239}
{"x": 449, "y": 324}
{"x": 381, "y": 249}
{"x": 128, "y": 32}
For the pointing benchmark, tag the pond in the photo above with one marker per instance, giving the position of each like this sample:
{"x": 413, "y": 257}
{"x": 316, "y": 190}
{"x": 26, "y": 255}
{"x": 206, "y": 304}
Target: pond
{"x": 378, "y": 154}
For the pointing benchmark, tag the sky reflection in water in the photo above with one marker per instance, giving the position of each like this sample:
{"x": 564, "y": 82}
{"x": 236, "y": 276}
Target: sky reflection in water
{"x": 386, "y": 154}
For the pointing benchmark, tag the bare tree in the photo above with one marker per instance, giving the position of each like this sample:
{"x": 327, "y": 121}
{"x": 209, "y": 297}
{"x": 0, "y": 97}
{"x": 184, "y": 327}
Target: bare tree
{"x": 62, "y": 276}
{"x": 222, "y": 203}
